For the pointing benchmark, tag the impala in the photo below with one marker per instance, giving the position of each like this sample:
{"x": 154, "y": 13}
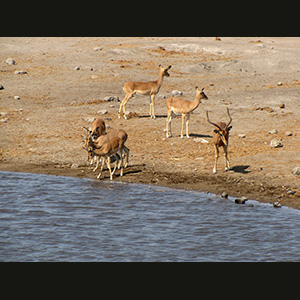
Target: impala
{"x": 102, "y": 139}
{"x": 221, "y": 139}
{"x": 150, "y": 88}
{"x": 176, "y": 105}
{"x": 97, "y": 126}
{"x": 112, "y": 147}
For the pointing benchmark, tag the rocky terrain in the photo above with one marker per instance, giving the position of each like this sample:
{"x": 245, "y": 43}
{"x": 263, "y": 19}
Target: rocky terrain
{"x": 52, "y": 87}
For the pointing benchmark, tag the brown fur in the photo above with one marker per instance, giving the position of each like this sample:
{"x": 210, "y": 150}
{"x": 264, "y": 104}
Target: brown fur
{"x": 150, "y": 88}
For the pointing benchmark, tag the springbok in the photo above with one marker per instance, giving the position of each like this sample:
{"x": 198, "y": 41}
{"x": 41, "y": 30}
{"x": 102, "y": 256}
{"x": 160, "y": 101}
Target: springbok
{"x": 177, "y": 105}
{"x": 143, "y": 88}
{"x": 112, "y": 147}
{"x": 221, "y": 139}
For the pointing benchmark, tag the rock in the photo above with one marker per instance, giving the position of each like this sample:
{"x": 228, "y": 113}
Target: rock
{"x": 111, "y": 99}
{"x": 176, "y": 93}
{"x": 102, "y": 112}
{"x": 240, "y": 200}
{"x": 77, "y": 68}
{"x": 296, "y": 171}
{"x": 276, "y": 204}
{"x": 10, "y": 61}
{"x": 224, "y": 195}
{"x": 200, "y": 140}
{"x": 17, "y": 97}
{"x": 288, "y": 133}
{"x": 282, "y": 105}
{"x": 275, "y": 143}
{"x": 97, "y": 49}
{"x": 20, "y": 72}
{"x": 242, "y": 135}
{"x": 74, "y": 166}
{"x": 1, "y": 87}
{"x": 273, "y": 131}
{"x": 279, "y": 83}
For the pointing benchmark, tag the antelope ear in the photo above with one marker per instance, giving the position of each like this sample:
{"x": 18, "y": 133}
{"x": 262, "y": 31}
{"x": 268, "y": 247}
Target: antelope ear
{"x": 229, "y": 128}
{"x": 160, "y": 65}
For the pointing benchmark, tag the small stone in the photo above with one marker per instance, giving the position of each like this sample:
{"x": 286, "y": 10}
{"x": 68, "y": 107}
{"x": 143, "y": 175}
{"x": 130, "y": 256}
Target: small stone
{"x": 20, "y": 72}
{"x": 176, "y": 93}
{"x": 102, "y": 112}
{"x": 274, "y": 131}
{"x": 224, "y": 195}
{"x": 275, "y": 143}
{"x": 200, "y": 140}
{"x": 97, "y": 49}
{"x": 296, "y": 171}
{"x": 276, "y": 204}
{"x": 17, "y": 97}
{"x": 242, "y": 135}
{"x": 282, "y": 105}
{"x": 279, "y": 83}
{"x": 240, "y": 200}
{"x": 4, "y": 120}
{"x": 10, "y": 61}
{"x": 77, "y": 68}
{"x": 111, "y": 99}
{"x": 288, "y": 133}
{"x": 1, "y": 87}
{"x": 74, "y": 166}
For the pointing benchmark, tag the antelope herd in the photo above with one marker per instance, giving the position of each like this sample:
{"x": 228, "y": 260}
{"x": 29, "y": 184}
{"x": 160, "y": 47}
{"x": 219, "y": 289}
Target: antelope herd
{"x": 103, "y": 145}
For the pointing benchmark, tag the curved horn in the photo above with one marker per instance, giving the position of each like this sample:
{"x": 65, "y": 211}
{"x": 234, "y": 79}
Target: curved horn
{"x": 212, "y": 122}
{"x": 228, "y": 116}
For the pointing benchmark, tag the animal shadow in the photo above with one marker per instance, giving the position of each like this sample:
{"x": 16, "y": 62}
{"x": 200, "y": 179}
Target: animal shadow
{"x": 241, "y": 169}
{"x": 200, "y": 135}
{"x": 148, "y": 116}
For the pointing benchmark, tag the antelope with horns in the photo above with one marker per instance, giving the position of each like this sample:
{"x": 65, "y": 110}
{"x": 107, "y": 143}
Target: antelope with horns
{"x": 112, "y": 147}
{"x": 177, "y": 105}
{"x": 221, "y": 139}
{"x": 150, "y": 88}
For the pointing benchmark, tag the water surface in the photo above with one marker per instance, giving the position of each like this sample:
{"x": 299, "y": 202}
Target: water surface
{"x": 52, "y": 218}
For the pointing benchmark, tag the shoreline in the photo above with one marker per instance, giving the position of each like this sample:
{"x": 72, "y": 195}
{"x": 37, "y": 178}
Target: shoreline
{"x": 53, "y": 86}
{"x": 212, "y": 184}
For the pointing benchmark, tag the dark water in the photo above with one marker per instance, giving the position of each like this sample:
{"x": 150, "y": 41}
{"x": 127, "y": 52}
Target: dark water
{"x": 51, "y": 218}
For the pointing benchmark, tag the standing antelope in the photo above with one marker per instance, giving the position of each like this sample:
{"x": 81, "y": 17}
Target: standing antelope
{"x": 102, "y": 139}
{"x": 143, "y": 88}
{"x": 221, "y": 139}
{"x": 113, "y": 146}
{"x": 177, "y": 105}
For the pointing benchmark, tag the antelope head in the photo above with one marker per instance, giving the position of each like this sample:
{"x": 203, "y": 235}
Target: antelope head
{"x": 165, "y": 70}
{"x": 201, "y": 93}
{"x": 221, "y": 130}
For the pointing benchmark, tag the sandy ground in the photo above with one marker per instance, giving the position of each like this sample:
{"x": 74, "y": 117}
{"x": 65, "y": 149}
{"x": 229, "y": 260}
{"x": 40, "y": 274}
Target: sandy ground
{"x": 252, "y": 76}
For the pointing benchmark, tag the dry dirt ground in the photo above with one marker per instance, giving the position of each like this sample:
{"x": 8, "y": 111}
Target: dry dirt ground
{"x": 252, "y": 76}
